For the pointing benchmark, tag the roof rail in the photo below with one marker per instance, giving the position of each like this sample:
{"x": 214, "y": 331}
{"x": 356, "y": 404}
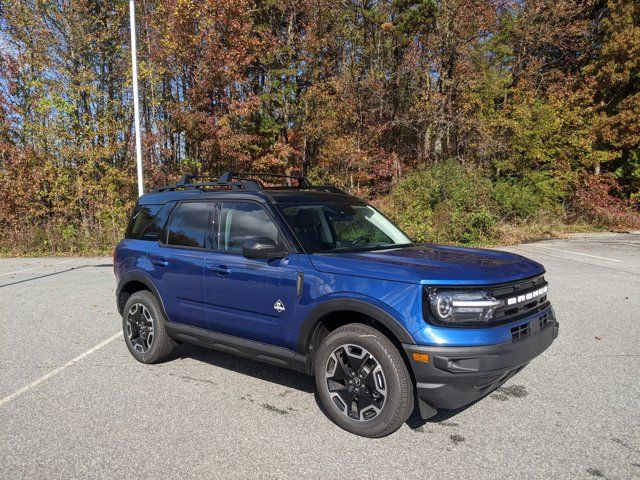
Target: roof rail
{"x": 243, "y": 181}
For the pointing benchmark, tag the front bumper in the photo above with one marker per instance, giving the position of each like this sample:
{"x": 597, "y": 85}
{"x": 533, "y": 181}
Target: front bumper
{"x": 456, "y": 376}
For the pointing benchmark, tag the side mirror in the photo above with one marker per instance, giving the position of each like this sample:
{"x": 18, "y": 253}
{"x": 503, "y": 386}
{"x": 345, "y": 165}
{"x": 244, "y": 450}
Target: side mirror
{"x": 262, "y": 247}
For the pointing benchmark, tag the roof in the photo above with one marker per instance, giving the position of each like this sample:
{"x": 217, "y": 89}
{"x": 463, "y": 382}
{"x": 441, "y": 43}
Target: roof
{"x": 310, "y": 196}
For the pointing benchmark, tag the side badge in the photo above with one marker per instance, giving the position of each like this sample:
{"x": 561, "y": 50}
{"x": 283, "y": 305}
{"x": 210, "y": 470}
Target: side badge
{"x": 279, "y": 306}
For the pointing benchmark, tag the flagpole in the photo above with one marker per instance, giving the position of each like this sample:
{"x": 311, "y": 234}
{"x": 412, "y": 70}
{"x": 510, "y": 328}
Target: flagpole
{"x": 136, "y": 106}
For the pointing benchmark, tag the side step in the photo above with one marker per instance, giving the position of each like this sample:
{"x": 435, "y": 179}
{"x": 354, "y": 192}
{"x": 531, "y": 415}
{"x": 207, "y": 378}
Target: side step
{"x": 261, "y": 352}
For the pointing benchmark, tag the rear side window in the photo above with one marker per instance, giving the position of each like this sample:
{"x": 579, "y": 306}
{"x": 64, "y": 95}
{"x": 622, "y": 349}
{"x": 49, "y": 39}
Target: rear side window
{"x": 147, "y": 221}
{"x": 188, "y": 226}
{"x": 241, "y": 221}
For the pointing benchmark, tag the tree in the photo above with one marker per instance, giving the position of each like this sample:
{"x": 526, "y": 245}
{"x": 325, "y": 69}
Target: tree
{"x": 614, "y": 81}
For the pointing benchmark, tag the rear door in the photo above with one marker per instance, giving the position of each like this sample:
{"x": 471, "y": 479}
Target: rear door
{"x": 249, "y": 298}
{"x": 177, "y": 262}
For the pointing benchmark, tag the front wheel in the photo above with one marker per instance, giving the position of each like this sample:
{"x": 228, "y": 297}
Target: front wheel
{"x": 362, "y": 381}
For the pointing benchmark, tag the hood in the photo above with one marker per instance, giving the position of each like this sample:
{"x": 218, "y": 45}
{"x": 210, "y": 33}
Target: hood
{"x": 431, "y": 265}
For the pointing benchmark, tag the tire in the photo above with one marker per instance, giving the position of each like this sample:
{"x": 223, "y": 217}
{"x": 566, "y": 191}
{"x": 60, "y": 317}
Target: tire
{"x": 391, "y": 396}
{"x": 160, "y": 346}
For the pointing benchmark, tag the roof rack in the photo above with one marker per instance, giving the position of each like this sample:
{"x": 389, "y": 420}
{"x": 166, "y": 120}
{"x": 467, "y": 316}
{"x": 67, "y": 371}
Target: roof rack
{"x": 243, "y": 181}
{"x": 303, "y": 182}
{"x": 224, "y": 182}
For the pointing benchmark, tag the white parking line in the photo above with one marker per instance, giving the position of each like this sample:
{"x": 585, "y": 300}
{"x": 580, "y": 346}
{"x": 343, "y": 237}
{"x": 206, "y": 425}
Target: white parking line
{"x": 32, "y": 268}
{"x": 52, "y": 373}
{"x": 20, "y": 271}
{"x": 576, "y": 253}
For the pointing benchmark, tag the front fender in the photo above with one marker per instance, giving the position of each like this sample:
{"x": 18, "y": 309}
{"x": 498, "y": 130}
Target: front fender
{"x": 362, "y": 304}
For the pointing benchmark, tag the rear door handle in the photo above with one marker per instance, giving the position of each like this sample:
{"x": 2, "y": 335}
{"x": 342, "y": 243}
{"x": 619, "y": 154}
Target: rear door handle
{"x": 220, "y": 269}
{"x": 159, "y": 261}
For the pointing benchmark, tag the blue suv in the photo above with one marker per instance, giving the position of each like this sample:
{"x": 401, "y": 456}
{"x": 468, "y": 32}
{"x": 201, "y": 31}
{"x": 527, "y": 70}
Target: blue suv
{"x": 316, "y": 280}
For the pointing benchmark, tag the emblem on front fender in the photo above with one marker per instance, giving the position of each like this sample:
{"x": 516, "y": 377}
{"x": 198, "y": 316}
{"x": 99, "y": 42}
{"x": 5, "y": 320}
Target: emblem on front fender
{"x": 279, "y": 306}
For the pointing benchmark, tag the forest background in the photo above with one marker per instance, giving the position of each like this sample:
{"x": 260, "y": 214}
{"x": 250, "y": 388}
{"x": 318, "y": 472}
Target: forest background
{"x": 467, "y": 121}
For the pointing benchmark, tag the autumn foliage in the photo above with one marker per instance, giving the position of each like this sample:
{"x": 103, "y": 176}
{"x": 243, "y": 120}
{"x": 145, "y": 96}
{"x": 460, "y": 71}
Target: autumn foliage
{"x": 461, "y": 118}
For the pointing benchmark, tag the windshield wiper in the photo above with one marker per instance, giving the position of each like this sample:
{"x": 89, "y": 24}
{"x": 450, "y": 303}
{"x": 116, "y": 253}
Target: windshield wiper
{"x": 367, "y": 249}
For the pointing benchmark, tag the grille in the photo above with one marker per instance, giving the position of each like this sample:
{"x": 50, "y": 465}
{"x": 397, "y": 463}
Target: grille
{"x": 525, "y": 329}
{"x": 508, "y": 313}
{"x": 543, "y": 320}
{"x": 520, "y": 331}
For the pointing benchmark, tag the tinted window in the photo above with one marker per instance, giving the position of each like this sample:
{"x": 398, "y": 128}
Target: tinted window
{"x": 189, "y": 224}
{"x": 241, "y": 221}
{"x": 147, "y": 221}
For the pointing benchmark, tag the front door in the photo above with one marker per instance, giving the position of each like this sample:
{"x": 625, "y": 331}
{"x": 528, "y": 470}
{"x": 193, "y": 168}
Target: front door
{"x": 249, "y": 298}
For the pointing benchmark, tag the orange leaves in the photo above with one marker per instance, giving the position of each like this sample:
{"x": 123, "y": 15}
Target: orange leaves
{"x": 356, "y": 95}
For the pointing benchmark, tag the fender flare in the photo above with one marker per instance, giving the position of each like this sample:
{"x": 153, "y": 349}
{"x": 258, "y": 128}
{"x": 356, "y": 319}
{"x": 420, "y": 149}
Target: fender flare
{"x": 311, "y": 321}
{"x": 134, "y": 276}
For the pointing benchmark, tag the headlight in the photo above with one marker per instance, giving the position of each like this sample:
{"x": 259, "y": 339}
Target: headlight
{"x": 463, "y": 307}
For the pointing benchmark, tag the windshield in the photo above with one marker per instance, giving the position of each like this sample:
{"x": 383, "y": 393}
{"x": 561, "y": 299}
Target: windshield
{"x": 342, "y": 228}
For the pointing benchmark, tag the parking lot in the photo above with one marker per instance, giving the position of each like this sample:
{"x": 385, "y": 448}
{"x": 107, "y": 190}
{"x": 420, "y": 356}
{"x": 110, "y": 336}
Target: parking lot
{"x": 74, "y": 403}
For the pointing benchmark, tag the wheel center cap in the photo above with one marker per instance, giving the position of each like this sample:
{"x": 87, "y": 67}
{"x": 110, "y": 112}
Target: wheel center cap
{"x": 356, "y": 381}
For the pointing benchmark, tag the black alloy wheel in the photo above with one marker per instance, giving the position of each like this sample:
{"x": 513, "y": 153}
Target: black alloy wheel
{"x": 356, "y": 382}
{"x": 140, "y": 327}
{"x": 362, "y": 381}
{"x": 143, "y": 324}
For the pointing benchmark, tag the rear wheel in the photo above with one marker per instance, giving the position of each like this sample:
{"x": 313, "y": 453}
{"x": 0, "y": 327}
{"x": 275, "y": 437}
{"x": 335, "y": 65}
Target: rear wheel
{"x": 143, "y": 325}
{"x": 363, "y": 382}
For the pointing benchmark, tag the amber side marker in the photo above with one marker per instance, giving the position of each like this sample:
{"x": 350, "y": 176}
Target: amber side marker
{"x": 420, "y": 357}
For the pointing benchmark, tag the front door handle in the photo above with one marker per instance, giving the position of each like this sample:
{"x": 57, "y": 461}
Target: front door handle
{"x": 220, "y": 269}
{"x": 159, "y": 261}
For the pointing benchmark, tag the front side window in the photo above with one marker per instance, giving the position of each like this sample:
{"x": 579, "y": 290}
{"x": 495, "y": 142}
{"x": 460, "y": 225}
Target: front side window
{"x": 189, "y": 224}
{"x": 342, "y": 227}
{"x": 242, "y": 221}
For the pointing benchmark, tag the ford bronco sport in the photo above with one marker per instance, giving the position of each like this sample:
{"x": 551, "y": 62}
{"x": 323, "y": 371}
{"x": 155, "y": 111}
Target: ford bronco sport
{"x": 316, "y": 280}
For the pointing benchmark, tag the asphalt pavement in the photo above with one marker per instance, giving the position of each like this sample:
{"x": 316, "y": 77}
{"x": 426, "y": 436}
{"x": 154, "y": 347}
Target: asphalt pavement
{"x": 75, "y": 404}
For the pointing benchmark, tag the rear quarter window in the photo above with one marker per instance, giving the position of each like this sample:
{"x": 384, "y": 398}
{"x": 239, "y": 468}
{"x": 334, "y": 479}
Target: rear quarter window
{"x": 148, "y": 221}
{"x": 188, "y": 226}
